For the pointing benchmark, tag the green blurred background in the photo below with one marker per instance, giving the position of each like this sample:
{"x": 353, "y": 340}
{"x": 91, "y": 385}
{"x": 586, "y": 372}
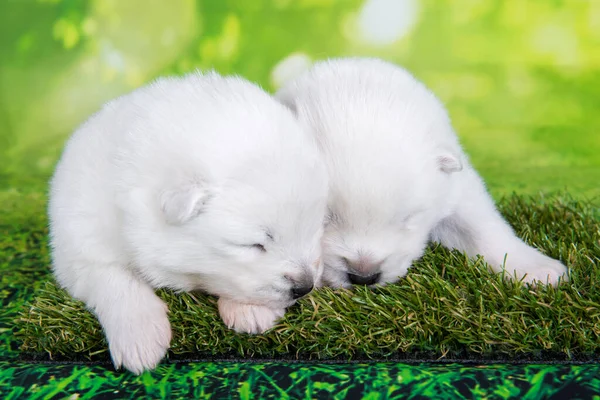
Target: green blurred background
{"x": 520, "y": 77}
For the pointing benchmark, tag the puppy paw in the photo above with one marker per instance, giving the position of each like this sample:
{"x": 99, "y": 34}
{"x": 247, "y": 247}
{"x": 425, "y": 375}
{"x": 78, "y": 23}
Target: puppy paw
{"x": 139, "y": 339}
{"x": 541, "y": 269}
{"x": 248, "y": 318}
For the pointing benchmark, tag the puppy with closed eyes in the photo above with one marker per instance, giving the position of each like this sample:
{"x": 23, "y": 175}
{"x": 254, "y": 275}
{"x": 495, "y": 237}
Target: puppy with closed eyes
{"x": 200, "y": 182}
{"x": 398, "y": 177}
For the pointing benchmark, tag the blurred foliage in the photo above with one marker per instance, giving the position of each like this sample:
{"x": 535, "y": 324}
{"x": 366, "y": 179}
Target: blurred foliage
{"x": 520, "y": 78}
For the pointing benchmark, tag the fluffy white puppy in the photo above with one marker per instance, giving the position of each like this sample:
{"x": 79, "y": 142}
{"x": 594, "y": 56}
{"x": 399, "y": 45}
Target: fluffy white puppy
{"x": 201, "y": 182}
{"x": 398, "y": 177}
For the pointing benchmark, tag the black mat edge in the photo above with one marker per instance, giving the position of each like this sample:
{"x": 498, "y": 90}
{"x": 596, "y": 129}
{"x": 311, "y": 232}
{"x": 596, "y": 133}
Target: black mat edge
{"x": 410, "y": 358}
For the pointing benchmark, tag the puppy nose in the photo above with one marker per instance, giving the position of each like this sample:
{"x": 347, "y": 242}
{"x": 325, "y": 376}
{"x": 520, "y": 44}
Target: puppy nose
{"x": 364, "y": 280}
{"x": 363, "y": 264}
{"x": 300, "y": 291}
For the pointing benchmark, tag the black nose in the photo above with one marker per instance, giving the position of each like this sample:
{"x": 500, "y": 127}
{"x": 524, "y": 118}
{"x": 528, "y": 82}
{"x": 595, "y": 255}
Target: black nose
{"x": 364, "y": 280}
{"x": 299, "y": 291}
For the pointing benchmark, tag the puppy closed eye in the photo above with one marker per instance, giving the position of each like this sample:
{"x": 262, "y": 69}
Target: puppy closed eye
{"x": 259, "y": 247}
{"x": 245, "y": 248}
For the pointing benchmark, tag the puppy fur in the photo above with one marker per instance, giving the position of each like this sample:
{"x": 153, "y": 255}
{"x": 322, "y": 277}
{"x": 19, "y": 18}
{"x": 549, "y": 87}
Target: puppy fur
{"x": 398, "y": 177}
{"x": 200, "y": 182}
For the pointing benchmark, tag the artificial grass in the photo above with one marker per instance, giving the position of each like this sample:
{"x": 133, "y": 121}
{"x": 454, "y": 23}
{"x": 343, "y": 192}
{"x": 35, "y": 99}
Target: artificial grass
{"x": 447, "y": 307}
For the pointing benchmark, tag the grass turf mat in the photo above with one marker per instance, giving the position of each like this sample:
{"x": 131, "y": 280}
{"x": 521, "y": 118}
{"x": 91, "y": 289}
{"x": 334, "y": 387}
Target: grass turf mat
{"x": 447, "y": 307}
{"x": 303, "y": 381}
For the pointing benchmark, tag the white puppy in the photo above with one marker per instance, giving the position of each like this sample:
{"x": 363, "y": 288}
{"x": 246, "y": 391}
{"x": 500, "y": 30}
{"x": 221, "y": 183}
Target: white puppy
{"x": 201, "y": 182}
{"x": 398, "y": 177}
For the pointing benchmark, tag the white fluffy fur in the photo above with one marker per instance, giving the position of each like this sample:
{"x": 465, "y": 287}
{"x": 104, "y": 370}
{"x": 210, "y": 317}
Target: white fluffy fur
{"x": 398, "y": 176}
{"x": 172, "y": 186}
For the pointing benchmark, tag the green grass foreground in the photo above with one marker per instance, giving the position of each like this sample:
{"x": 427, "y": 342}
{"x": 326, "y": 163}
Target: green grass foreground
{"x": 447, "y": 307}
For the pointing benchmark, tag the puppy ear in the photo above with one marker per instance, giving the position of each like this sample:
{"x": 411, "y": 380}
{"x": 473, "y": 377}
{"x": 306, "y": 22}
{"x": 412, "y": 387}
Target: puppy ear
{"x": 448, "y": 161}
{"x": 184, "y": 203}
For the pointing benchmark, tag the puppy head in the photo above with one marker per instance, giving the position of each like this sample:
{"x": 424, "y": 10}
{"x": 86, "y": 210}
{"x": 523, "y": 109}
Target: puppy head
{"x": 390, "y": 156}
{"x": 373, "y": 236}
{"x": 255, "y": 239}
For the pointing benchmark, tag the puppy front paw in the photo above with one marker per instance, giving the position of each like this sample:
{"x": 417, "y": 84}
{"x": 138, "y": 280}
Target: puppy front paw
{"x": 248, "y": 318}
{"x": 139, "y": 340}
